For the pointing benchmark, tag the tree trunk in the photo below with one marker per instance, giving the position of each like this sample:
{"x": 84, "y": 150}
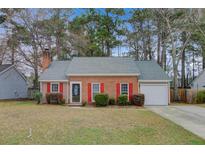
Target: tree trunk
{"x": 35, "y": 82}
{"x": 149, "y": 43}
{"x": 137, "y": 52}
{"x": 58, "y": 47}
{"x": 13, "y": 56}
{"x": 193, "y": 69}
{"x": 108, "y": 49}
{"x": 183, "y": 69}
{"x": 176, "y": 95}
{"x": 158, "y": 43}
{"x": 175, "y": 71}
{"x": 203, "y": 56}
{"x": 183, "y": 61}
{"x": 163, "y": 55}
{"x": 158, "y": 50}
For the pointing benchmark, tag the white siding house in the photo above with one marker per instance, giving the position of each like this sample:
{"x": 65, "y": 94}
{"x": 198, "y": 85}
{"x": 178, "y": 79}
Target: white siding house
{"x": 199, "y": 82}
{"x": 13, "y": 84}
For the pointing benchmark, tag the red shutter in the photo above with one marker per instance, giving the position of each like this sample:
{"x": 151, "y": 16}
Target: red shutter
{"x": 102, "y": 87}
{"x": 117, "y": 90}
{"x": 130, "y": 91}
{"x": 48, "y": 87}
{"x": 61, "y": 87}
{"x": 89, "y": 93}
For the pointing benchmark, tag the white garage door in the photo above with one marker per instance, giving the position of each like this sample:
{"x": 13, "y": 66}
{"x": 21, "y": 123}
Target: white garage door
{"x": 155, "y": 94}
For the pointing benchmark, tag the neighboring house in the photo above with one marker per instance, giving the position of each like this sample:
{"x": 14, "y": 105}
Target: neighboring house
{"x": 199, "y": 82}
{"x": 12, "y": 83}
{"x": 81, "y": 78}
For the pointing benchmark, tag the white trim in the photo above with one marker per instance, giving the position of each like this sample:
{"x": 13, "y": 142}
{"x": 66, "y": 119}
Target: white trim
{"x": 74, "y": 82}
{"x": 92, "y": 89}
{"x": 52, "y": 89}
{"x": 168, "y": 93}
{"x": 41, "y": 87}
{"x": 154, "y": 80}
{"x": 53, "y": 80}
{"x": 68, "y": 96}
{"x": 127, "y": 89}
{"x": 109, "y": 74}
{"x": 154, "y": 84}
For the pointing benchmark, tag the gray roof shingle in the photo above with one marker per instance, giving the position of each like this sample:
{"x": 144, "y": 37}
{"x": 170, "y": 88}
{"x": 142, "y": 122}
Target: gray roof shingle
{"x": 102, "y": 65}
{"x": 4, "y": 66}
{"x": 56, "y": 71}
{"x": 150, "y": 70}
{"x": 147, "y": 70}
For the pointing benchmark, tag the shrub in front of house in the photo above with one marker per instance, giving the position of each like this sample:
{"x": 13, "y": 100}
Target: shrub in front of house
{"x": 37, "y": 96}
{"x": 122, "y": 100}
{"x": 111, "y": 101}
{"x": 56, "y": 98}
{"x": 101, "y": 100}
{"x": 200, "y": 97}
{"x": 138, "y": 99}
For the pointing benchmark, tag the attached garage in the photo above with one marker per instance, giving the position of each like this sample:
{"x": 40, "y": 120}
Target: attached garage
{"x": 155, "y": 93}
{"x": 153, "y": 83}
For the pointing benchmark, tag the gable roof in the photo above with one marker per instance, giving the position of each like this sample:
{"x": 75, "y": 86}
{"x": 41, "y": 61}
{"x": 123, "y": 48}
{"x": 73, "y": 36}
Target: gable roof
{"x": 4, "y": 67}
{"x": 150, "y": 70}
{"x": 197, "y": 77}
{"x": 102, "y": 66}
{"x": 56, "y": 71}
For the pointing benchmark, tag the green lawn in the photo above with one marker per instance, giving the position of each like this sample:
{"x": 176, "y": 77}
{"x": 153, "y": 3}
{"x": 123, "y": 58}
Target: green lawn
{"x": 186, "y": 104}
{"x": 28, "y": 123}
{"x": 201, "y": 105}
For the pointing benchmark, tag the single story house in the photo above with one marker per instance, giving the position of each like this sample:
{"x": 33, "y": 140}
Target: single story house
{"x": 81, "y": 78}
{"x": 199, "y": 82}
{"x": 13, "y": 84}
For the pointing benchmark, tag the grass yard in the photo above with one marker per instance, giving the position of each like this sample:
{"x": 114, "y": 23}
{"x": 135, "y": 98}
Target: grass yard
{"x": 201, "y": 105}
{"x": 28, "y": 123}
{"x": 186, "y": 104}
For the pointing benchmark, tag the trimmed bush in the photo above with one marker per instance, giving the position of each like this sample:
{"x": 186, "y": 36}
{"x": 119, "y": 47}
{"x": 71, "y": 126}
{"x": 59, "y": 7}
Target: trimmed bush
{"x": 101, "y": 100}
{"x": 138, "y": 99}
{"x": 200, "y": 97}
{"x": 111, "y": 101}
{"x": 122, "y": 100}
{"x": 56, "y": 98}
{"x": 37, "y": 96}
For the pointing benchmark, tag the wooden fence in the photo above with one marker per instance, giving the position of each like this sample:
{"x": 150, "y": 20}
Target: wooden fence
{"x": 185, "y": 95}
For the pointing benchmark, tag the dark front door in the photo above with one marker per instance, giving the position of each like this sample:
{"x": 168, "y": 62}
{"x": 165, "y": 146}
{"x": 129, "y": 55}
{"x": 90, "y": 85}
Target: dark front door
{"x": 76, "y": 92}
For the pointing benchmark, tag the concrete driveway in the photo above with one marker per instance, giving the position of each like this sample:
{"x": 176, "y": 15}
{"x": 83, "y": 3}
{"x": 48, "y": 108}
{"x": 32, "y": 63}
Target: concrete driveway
{"x": 191, "y": 118}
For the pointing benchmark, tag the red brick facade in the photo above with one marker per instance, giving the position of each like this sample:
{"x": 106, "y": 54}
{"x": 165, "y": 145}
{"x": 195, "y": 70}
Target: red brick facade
{"x": 109, "y": 84}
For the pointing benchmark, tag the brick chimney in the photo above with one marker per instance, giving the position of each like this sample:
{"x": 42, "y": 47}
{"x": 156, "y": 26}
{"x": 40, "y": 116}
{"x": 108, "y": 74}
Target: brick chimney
{"x": 46, "y": 59}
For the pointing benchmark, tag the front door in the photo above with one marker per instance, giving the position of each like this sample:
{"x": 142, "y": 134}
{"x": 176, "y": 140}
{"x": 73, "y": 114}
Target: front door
{"x": 75, "y": 92}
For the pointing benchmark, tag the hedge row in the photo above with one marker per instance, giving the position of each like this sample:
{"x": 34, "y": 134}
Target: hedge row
{"x": 104, "y": 100}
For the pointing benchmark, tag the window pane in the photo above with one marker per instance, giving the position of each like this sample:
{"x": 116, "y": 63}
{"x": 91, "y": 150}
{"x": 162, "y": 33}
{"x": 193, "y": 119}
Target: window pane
{"x": 95, "y": 90}
{"x": 124, "y": 89}
{"x": 54, "y": 87}
{"x": 95, "y": 87}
